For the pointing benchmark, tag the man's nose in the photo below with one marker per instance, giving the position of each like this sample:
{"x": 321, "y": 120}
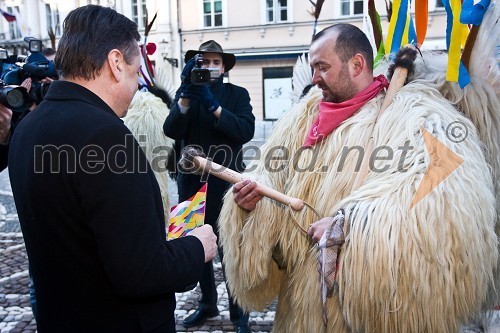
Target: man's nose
{"x": 316, "y": 77}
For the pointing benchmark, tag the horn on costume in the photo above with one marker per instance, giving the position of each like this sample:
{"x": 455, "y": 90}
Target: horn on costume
{"x": 398, "y": 72}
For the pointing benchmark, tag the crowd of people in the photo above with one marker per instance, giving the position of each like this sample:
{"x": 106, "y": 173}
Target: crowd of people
{"x": 93, "y": 219}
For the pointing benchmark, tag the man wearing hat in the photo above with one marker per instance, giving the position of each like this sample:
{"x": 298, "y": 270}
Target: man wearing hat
{"x": 216, "y": 117}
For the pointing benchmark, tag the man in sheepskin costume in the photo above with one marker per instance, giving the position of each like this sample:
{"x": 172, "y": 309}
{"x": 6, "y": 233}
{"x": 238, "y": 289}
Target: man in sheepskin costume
{"x": 409, "y": 263}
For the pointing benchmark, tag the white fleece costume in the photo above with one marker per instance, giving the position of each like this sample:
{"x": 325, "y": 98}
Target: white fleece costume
{"x": 402, "y": 269}
{"x": 145, "y": 118}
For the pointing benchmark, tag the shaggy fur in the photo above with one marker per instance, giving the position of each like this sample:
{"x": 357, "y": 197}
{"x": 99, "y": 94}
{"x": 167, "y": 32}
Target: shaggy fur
{"x": 481, "y": 104}
{"x": 424, "y": 269}
{"x": 479, "y": 101}
{"x": 145, "y": 118}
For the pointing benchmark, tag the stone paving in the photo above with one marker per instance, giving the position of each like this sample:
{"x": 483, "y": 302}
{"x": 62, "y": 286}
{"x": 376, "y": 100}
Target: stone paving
{"x": 15, "y": 311}
{"x": 187, "y": 302}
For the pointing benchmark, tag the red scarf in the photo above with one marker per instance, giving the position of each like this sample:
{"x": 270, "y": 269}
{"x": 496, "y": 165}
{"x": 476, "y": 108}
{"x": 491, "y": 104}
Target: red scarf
{"x": 331, "y": 115}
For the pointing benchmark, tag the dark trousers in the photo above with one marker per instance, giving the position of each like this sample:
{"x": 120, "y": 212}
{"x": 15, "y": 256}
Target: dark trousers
{"x": 187, "y": 186}
{"x": 209, "y": 294}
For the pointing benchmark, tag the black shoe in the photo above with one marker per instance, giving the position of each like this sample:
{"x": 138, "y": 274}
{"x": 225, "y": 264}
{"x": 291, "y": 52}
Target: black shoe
{"x": 243, "y": 329}
{"x": 199, "y": 317}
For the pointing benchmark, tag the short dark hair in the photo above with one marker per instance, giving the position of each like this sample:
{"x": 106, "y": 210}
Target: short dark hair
{"x": 89, "y": 34}
{"x": 350, "y": 40}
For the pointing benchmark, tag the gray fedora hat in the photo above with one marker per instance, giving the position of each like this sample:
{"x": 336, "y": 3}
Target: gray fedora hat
{"x": 212, "y": 46}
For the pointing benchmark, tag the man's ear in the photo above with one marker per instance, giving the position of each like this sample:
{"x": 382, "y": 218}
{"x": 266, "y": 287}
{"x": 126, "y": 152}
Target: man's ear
{"x": 357, "y": 64}
{"x": 116, "y": 64}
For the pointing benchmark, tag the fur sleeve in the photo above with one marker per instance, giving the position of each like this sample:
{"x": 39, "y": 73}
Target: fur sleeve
{"x": 250, "y": 239}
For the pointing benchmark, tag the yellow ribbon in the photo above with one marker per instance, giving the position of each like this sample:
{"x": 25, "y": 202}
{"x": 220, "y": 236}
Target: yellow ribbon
{"x": 454, "y": 52}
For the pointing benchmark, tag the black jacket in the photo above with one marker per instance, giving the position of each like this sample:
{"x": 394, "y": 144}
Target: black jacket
{"x": 92, "y": 220}
{"x": 221, "y": 139}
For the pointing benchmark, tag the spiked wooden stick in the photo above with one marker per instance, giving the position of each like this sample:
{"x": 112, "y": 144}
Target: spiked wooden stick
{"x": 193, "y": 161}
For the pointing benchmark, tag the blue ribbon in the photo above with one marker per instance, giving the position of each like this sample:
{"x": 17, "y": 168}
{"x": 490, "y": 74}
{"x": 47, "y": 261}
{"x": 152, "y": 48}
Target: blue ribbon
{"x": 473, "y": 14}
{"x": 400, "y": 27}
{"x": 412, "y": 35}
{"x": 463, "y": 75}
{"x": 449, "y": 21}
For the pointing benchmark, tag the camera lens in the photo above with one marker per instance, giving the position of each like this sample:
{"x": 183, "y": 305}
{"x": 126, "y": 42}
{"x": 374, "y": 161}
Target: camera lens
{"x": 15, "y": 98}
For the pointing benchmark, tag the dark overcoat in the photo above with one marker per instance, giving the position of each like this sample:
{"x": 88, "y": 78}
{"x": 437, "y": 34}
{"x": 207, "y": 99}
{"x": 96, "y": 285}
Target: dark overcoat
{"x": 92, "y": 220}
{"x": 221, "y": 139}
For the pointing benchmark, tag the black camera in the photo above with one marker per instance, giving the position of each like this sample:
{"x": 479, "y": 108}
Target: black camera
{"x": 34, "y": 66}
{"x": 200, "y": 75}
{"x": 33, "y": 45}
{"x": 15, "y": 97}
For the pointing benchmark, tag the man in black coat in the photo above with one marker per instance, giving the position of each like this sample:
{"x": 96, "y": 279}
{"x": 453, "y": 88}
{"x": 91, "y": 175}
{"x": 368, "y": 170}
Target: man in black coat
{"x": 88, "y": 202}
{"x": 216, "y": 117}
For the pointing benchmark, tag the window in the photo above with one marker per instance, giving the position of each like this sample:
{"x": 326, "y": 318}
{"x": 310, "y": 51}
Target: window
{"x": 351, "y": 7}
{"x": 53, "y": 21}
{"x": 439, "y": 4}
{"x": 14, "y": 31}
{"x": 212, "y": 13}
{"x": 139, "y": 11}
{"x": 277, "y": 89}
{"x": 276, "y": 11}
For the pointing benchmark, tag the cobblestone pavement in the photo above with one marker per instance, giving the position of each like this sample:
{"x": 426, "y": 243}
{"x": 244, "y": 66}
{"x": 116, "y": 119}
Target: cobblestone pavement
{"x": 15, "y": 310}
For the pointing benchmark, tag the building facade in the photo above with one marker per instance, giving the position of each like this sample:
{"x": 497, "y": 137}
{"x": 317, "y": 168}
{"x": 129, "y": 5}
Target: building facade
{"x": 267, "y": 36}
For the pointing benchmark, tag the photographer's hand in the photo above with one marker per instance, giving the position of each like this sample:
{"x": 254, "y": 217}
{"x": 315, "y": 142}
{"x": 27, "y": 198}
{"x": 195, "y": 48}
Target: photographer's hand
{"x": 186, "y": 77}
{"x": 26, "y": 84}
{"x": 5, "y": 123}
{"x": 204, "y": 95}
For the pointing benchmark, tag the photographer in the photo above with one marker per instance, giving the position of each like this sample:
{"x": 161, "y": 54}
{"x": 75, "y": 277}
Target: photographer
{"x": 8, "y": 120}
{"x": 34, "y": 71}
{"x": 217, "y": 117}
